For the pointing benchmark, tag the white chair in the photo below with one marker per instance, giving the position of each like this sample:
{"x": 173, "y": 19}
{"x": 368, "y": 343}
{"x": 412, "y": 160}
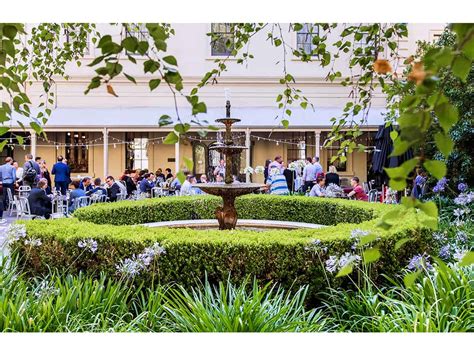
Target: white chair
{"x": 120, "y": 197}
{"x": 82, "y": 201}
{"x": 156, "y": 192}
{"x": 11, "y": 202}
{"x": 373, "y": 195}
{"x": 24, "y": 191}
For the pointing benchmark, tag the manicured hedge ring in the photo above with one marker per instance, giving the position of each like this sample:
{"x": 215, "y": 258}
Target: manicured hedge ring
{"x": 282, "y": 256}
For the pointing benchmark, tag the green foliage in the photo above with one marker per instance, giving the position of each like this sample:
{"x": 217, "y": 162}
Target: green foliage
{"x": 440, "y": 301}
{"x": 285, "y": 257}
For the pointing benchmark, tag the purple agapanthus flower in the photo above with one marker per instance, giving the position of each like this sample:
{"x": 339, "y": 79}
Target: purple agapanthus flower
{"x": 445, "y": 252}
{"x": 440, "y": 186}
{"x": 462, "y": 187}
{"x": 418, "y": 262}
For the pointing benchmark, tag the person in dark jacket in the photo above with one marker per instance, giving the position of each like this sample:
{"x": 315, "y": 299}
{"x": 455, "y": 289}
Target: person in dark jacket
{"x": 86, "y": 184}
{"x": 97, "y": 189}
{"x": 46, "y": 175}
{"x": 147, "y": 183}
{"x": 265, "y": 171}
{"x": 30, "y": 164}
{"x": 129, "y": 183}
{"x": 332, "y": 177}
{"x": 61, "y": 174}
{"x": 40, "y": 202}
{"x": 113, "y": 189}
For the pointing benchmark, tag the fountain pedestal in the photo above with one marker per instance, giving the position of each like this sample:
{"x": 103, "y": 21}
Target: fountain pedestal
{"x": 227, "y": 214}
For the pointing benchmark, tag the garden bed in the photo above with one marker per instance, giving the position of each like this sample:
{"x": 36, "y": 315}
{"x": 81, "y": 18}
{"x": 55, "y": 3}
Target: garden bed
{"x": 291, "y": 258}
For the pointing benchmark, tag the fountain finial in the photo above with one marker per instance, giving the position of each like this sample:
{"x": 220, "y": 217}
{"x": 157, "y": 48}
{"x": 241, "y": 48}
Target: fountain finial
{"x": 227, "y": 109}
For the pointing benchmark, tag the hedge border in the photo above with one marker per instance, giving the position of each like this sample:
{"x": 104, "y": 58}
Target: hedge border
{"x": 280, "y": 256}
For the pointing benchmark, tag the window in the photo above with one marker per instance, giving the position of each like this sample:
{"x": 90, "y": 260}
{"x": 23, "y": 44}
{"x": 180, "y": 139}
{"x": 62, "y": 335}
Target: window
{"x": 304, "y": 38}
{"x": 139, "y": 31}
{"x": 77, "y": 152}
{"x": 137, "y": 153}
{"x": 297, "y": 152}
{"x": 71, "y": 36}
{"x": 222, "y": 39}
{"x": 199, "y": 158}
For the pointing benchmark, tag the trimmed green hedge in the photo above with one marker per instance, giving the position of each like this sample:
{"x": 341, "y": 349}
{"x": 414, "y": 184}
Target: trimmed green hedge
{"x": 283, "y": 208}
{"x": 279, "y": 255}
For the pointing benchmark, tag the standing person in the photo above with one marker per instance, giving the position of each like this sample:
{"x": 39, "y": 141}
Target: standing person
{"x": 19, "y": 173}
{"x": 168, "y": 174}
{"x": 61, "y": 174}
{"x": 220, "y": 169}
{"x": 290, "y": 176}
{"x": 266, "y": 171}
{"x": 276, "y": 164}
{"x": 319, "y": 168}
{"x": 31, "y": 171}
{"x": 418, "y": 183}
{"x": 39, "y": 201}
{"x": 309, "y": 175}
{"x": 318, "y": 188}
{"x": 277, "y": 184}
{"x": 358, "y": 190}
{"x": 8, "y": 174}
{"x": 332, "y": 177}
{"x": 45, "y": 175}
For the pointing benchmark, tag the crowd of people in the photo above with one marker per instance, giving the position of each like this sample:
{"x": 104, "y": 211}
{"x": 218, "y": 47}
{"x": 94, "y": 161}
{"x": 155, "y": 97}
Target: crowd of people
{"x": 279, "y": 180}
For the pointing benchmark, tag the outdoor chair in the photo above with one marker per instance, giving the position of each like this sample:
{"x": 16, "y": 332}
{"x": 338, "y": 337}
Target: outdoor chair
{"x": 373, "y": 195}
{"x": 156, "y": 192}
{"x": 24, "y": 191}
{"x": 82, "y": 201}
{"x": 120, "y": 197}
{"x": 11, "y": 202}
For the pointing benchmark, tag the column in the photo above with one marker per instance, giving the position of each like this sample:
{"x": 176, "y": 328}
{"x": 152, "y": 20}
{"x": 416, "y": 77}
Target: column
{"x": 317, "y": 135}
{"x": 176, "y": 157}
{"x": 106, "y": 152}
{"x": 247, "y": 153}
{"x": 33, "y": 144}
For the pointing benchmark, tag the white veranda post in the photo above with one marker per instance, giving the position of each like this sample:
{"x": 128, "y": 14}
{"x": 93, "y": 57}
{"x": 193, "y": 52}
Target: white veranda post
{"x": 176, "y": 157}
{"x": 33, "y": 144}
{"x": 317, "y": 152}
{"x": 247, "y": 153}
{"x": 106, "y": 152}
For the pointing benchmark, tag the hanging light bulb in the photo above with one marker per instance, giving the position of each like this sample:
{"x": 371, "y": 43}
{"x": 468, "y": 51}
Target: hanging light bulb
{"x": 115, "y": 145}
{"x": 277, "y": 143}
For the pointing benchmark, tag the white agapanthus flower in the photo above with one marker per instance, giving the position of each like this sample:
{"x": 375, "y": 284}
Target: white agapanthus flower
{"x": 16, "y": 232}
{"x": 88, "y": 244}
{"x": 33, "y": 242}
{"x": 131, "y": 267}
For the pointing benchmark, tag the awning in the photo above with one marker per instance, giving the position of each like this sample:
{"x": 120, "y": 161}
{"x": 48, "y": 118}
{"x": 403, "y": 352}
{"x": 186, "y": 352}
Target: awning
{"x": 147, "y": 117}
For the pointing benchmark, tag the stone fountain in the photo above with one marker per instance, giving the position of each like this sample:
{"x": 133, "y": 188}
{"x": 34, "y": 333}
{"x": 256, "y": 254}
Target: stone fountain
{"x": 228, "y": 190}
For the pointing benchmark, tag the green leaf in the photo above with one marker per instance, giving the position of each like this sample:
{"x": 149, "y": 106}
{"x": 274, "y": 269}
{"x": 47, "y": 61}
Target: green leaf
{"x": 429, "y": 208}
{"x": 285, "y": 123}
{"x": 10, "y": 31}
{"x": 444, "y": 143}
{"x": 170, "y": 60}
{"x": 171, "y": 138}
{"x": 150, "y": 66}
{"x": 447, "y": 115}
{"x": 189, "y": 163}
{"x": 3, "y": 130}
{"x": 393, "y": 135}
{"x": 366, "y": 239}
{"x": 468, "y": 48}
{"x": 154, "y": 83}
{"x": 130, "y": 44}
{"x": 9, "y": 47}
{"x": 104, "y": 40}
{"x": 181, "y": 177}
{"x": 436, "y": 168}
{"x": 165, "y": 120}
{"x": 200, "y": 107}
{"x": 182, "y": 128}
{"x": 3, "y": 143}
{"x": 346, "y": 270}
{"x": 371, "y": 255}
{"x": 131, "y": 78}
{"x": 410, "y": 278}
{"x": 401, "y": 242}
{"x": 468, "y": 259}
{"x": 304, "y": 104}
{"x": 461, "y": 67}
{"x": 36, "y": 127}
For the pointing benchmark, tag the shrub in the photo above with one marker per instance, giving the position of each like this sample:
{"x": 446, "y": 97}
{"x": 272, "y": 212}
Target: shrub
{"x": 285, "y": 257}
{"x": 283, "y": 208}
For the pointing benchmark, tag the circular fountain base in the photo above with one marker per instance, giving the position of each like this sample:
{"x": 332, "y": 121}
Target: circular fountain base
{"x": 242, "y": 224}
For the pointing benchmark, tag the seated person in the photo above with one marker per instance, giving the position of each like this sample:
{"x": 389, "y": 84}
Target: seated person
{"x": 40, "y": 203}
{"x": 113, "y": 190}
{"x": 332, "y": 177}
{"x": 358, "y": 190}
{"x": 86, "y": 184}
{"x": 277, "y": 185}
{"x": 175, "y": 185}
{"x": 203, "y": 179}
{"x": 147, "y": 183}
{"x": 318, "y": 188}
{"x": 75, "y": 194}
{"x": 187, "y": 187}
{"x": 97, "y": 188}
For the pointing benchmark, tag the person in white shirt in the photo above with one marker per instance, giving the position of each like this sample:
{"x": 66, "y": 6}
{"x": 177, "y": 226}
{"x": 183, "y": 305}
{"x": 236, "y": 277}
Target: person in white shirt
{"x": 220, "y": 169}
{"x": 318, "y": 189}
{"x": 309, "y": 175}
{"x": 187, "y": 187}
